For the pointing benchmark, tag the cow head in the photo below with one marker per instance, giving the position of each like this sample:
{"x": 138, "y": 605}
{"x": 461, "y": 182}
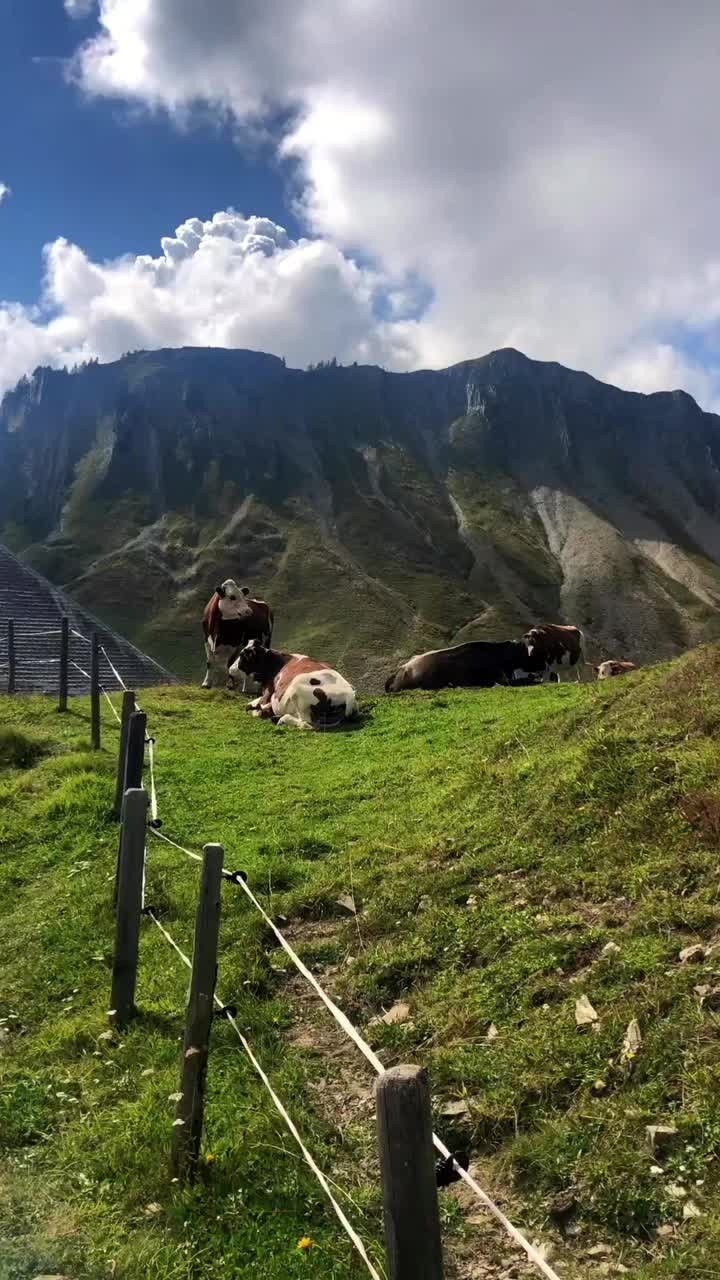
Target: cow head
{"x": 534, "y": 641}
{"x": 254, "y": 660}
{"x": 233, "y": 600}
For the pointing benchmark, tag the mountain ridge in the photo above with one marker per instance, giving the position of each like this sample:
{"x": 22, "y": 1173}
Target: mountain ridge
{"x": 380, "y": 512}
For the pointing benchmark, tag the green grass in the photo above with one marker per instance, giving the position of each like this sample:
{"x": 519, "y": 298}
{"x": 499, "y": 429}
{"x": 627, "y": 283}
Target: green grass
{"x": 494, "y": 842}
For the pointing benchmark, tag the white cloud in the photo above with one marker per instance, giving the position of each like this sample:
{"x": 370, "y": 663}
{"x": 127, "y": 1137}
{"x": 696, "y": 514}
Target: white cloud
{"x": 79, "y": 8}
{"x": 4, "y": 192}
{"x": 228, "y": 282}
{"x": 548, "y": 173}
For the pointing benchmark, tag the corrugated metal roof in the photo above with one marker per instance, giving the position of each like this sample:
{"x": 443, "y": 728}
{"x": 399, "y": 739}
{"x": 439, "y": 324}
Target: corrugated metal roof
{"x": 36, "y": 608}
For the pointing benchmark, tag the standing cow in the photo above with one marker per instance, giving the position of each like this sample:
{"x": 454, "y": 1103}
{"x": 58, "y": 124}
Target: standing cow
{"x": 230, "y": 620}
{"x": 296, "y": 689}
{"x": 559, "y": 647}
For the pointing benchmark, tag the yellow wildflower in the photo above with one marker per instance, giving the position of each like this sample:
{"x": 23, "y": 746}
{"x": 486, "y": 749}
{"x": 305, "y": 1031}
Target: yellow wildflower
{"x": 305, "y": 1243}
{"x": 210, "y": 1157}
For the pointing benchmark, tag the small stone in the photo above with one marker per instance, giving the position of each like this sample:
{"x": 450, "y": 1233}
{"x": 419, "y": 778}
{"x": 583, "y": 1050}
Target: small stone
{"x": 399, "y": 1013}
{"x": 701, "y": 991}
{"x": 492, "y": 1032}
{"x": 692, "y": 955}
{"x": 632, "y": 1042}
{"x": 599, "y": 1251}
{"x": 152, "y": 1209}
{"x": 585, "y": 1015}
{"x": 656, "y": 1171}
{"x": 347, "y": 903}
{"x": 661, "y": 1138}
{"x": 175, "y": 1097}
{"x": 149, "y": 1071}
{"x": 610, "y": 949}
{"x": 690, "y": 1210}
{"x": 472, "y": 902}
{"x": 455, "y": 1110}
{"x": 665, "y": 1230}
{"x": 676, "y": 1191}
{"x": 599, "y": 1086}
{"x": 563, "y": 1204}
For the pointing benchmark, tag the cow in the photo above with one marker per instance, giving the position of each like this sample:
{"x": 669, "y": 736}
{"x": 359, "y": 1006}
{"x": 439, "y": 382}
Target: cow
{"x": 478, "y": 663}
{"x": 557, "y": 646}
{"x": 296, "y": 689}
{"x": 229, "y": 621}
{"x": 613, "y": 667}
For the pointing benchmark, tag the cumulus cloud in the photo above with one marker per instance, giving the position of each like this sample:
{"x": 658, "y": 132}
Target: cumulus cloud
{"x": 4, "y": 192}
{"x": 549, "y": 174}
{"x": 230, "y": 281}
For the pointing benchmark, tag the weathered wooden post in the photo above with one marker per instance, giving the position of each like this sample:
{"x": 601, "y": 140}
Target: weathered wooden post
{"x": 128, "y": 709}
{"x": 129, "y": 907}
{"x": 11, "y": 655}
{"x": 95, "y": 692}
{"x": 135, "y": 755}
{"x": 64, "y": 656}
{"x": 407, "y": 1166}
{"x": 187, "y": 1129}
{"x": 134, "y": 760}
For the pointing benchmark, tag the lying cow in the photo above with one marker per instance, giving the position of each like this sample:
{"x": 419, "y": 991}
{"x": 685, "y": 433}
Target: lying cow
{"x": 614, "y": 667}
{"x": 556, "y": 646}
{"x": 231, "y": 619}
{"x": 479, "y": 664}
{"x": 297, "y": 689}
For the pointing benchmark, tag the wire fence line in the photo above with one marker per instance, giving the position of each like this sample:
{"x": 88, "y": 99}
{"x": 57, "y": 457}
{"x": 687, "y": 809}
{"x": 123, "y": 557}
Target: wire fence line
{"x": 239, "y": 878}
{"x": 282, "y": 1111}
{"x": 533, "y": 1254}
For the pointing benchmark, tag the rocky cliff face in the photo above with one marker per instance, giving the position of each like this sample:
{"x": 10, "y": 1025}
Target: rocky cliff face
{"x": 380, "y": 513}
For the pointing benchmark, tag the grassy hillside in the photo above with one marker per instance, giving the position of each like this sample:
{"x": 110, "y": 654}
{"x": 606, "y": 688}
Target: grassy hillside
{"x": 495, "y": 842}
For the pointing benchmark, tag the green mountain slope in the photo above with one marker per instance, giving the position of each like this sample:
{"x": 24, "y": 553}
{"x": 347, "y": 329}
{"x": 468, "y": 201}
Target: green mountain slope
{"x": 526, "y": 830}
{"x": 380, "y": 513}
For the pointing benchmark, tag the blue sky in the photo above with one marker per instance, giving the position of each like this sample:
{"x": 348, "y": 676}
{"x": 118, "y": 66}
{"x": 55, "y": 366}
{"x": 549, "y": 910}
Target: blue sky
{"x": 436, "y": 181}
{"x": 101, "y": 173}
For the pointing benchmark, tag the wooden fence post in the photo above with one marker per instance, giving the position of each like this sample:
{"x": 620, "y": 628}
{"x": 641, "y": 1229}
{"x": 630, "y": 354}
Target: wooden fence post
{"x": 135, "y": 755}
{"x": 407, "y": 1166}
{"x": 11, "y": 655}
{"x": 134, "y": 760}
{"x": 129, "y": 907}
{"x": 95, "y": 692}
{"x": 187, "y": 1129}
{"x": 64, "y": 655}
{"x": 128, "y": 709}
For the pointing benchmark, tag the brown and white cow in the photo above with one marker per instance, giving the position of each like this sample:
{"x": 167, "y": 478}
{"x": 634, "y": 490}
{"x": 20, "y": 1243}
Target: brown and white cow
{"x": 557, "y": 645}
{"x": 229, "y": 621}
{"x": 296, "y": 689}
{"x": 613, "y": 667}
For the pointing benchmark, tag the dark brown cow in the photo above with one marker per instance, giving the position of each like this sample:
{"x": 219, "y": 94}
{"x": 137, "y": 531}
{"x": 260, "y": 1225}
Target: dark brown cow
{"x": 230, "y": 620}
{"x": 477, "y": 664}
{"x": 613, "y": 667}
{"x": 557, "y": 645}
